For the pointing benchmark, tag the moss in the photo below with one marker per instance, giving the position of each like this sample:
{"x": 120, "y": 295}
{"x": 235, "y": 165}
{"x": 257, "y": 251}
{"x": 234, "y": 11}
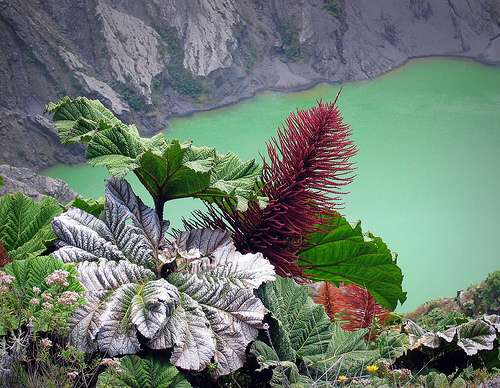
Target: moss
{"x": 290, "y": 39}
{"x": 156, "y": 84}
{"x": 135, "y": 101}
{"x": 181, "y": 79}
{"x": 332, "y": 7}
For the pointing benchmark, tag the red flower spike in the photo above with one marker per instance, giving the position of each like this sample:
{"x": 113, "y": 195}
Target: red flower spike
{"x": 309, "y": 163}
{"x": 353, "y": 305}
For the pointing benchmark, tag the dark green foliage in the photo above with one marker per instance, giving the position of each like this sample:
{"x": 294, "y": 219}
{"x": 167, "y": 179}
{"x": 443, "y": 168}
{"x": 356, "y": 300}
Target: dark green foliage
{"x": 181, "y": 79}
{"x": 332, "y": 7}
{"x": 168, "y": 169}
{"x": 439, "y": 320}
{"x": 89, "y": 205}
{"x": 129, "y": 94}
{"x": 489, "y": 294}
{"x": 136, "y": 372}
{"x": 339, "y": 252}
{"x": 290, "y": 40}
{"x": 25, "y": 225}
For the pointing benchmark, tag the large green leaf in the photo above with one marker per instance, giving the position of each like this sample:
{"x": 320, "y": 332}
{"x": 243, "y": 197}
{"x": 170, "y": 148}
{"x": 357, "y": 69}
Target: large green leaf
{"x": 136, "y": 372}
{"x": 168, "y": 169}
{"x": 340, "y": 253}
{"x": 304, "y": 322}
{"x": 78, "y": 120}
{"x": 29, "y": 273}
{"x": 177, "y": 170}
{"x": 233, "y": 182}
{"x": 25, "y": 224}
{"x": 303, "y": 346}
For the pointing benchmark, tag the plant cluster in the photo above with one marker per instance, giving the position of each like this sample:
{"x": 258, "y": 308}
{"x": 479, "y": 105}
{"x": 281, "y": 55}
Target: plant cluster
{"x": 102, "y": 293}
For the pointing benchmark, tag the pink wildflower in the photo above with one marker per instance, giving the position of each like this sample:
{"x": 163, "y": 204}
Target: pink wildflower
{"x": 58, "y": 277}
{"x": 46, "y": 343}
{"x": 47, "y": 305}
{"x": 110, "y": 362}
{"x": 68, "y": 298}
{"x": 5, "y": 279}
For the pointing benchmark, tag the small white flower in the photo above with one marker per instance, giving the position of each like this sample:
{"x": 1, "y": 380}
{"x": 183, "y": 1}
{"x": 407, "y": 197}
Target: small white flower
{"x": 193, "y": 253}
{"x": 46, "y": 343}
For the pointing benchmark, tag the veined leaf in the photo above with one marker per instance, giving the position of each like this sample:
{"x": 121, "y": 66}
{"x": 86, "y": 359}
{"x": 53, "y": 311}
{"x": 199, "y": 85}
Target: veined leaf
{"x": 302, "y": 339}
{"x": 347, "y": 353}
{"x": 29, "y": 273}
{"x": 340, "y": 253}
{"x": 117, "y": 149}
{"x": 78, "y": 120}
{"x": 471, "y": 337}
{"x": 83, "y": 237}
{"x": 136, "y": 372}
{"x": 304, "y": 322}
{"x": 205, "y": 309}
{"x": 176, "y": 171}
{"x": 233, "y": 182}
{"x": 219, "y": 314}
{"x": 25, "y": 225}
{"x": 168, "y": 169}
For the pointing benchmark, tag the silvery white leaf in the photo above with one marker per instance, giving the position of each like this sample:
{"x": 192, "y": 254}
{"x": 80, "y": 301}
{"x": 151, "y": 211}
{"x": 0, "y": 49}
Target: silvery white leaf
{"x": 476, "y": 335}
{"x": 205, "y": 240}
{"x": 81, "y": 232}
{"x": 109, "y": 275}
{"x": 85, "y": 322}
{"x": 150, "y": 307}
{"x": 116, "y": 335}
{"x": 131, "y": 207}
{"x": 234, "y": 316}
{"x": 245, "y": 271}
{"x": 188, "y": 332}
{"x": 493, "y": 320}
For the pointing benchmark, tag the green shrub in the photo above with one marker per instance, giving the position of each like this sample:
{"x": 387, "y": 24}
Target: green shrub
{"x": 290, "y": 40}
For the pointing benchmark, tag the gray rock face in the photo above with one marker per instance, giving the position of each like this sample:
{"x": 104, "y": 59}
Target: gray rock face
{"x": 35, "y": 186}
{"x": 154, "y": 59}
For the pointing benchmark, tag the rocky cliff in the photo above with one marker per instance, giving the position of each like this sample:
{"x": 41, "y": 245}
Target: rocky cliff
{"x": 26, "y": 181}
{"x": 152, "y": 59}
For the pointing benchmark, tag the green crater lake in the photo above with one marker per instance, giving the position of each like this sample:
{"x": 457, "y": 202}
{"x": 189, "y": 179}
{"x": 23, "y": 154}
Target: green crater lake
{"x": 428, "y": 167}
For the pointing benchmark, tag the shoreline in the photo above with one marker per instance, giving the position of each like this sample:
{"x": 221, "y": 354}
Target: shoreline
{"x": 296, "y": 89}
{"x": 319, "y": 81}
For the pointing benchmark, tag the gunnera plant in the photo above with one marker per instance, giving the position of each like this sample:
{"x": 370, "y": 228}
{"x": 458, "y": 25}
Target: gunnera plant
{"x": 191, "y": 295}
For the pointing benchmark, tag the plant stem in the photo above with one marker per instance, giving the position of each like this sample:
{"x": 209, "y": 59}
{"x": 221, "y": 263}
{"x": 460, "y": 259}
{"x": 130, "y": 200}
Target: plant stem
{"x": 159, "y": 206}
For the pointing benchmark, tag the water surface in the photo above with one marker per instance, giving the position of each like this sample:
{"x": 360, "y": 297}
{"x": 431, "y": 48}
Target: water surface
{"x": 428, "y": 168}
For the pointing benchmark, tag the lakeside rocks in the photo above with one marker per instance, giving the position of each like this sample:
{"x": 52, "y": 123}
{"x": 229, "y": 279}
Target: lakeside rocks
{"x": 151, "y": 60}
{"x": 35, "y": 186}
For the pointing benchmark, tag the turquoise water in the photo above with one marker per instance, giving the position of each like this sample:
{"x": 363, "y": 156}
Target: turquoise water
{"x": 428, "y": 168}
